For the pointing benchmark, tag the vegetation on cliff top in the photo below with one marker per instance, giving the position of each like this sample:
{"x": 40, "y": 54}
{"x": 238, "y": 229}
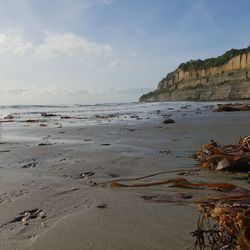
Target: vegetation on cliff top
{"x": 212, "y": 62}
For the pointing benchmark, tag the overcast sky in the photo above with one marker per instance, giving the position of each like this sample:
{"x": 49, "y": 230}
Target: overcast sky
{"x": 94, "y": 51}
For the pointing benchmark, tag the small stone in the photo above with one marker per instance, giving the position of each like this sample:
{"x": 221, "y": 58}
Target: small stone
{"x": 102, "y": 206}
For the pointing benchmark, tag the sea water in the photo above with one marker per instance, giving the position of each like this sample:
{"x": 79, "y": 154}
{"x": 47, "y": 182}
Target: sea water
{"x": 88, "y": 114}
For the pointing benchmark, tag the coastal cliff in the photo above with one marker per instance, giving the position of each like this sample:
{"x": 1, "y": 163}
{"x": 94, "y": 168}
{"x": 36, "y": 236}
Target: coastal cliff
{"x": 226, "y": 77}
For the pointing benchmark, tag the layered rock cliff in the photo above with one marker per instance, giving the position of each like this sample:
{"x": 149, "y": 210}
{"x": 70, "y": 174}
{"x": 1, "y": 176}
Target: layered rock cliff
{"x": 199, "y": 81}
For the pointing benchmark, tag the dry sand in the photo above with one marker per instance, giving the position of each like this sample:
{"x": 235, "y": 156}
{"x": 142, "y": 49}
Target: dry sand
{"x": 82, "y": 210}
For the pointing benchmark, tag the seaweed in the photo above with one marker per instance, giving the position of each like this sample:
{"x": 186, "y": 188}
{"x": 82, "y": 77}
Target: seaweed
{"x": 222, "y": 226}
{"x": 177, "y": 182}
{"x": 233, "y": 158}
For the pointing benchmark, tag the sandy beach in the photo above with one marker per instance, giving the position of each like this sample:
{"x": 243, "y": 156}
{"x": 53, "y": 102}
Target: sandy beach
{"x": 61, "y": 175}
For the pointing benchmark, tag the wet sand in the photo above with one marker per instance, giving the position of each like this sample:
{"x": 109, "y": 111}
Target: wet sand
{"x": 67, "y": 180}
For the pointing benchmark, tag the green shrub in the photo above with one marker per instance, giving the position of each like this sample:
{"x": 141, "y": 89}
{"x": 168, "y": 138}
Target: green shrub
{"x": 212, "y": 62}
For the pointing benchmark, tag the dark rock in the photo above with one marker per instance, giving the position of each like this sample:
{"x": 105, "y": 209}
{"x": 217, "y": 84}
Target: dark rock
{"x": 168, "y": 120}
{"x": 102, "y": 206}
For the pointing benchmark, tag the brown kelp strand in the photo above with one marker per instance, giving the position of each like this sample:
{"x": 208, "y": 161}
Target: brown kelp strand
{"x": 186, "y": 171}
{"x": 177, "y": 182}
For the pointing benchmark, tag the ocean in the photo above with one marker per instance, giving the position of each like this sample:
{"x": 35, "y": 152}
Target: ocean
{"x": 12, "y": 115}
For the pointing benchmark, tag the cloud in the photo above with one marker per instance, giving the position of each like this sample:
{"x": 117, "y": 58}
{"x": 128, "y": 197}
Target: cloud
{"x": 69, "y": 44}
{"x": 43, "y": 91}
{"x": 13, "y": 43}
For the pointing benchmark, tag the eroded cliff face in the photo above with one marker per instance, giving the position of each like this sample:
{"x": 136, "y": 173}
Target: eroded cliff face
{"x": 230, "y": 81}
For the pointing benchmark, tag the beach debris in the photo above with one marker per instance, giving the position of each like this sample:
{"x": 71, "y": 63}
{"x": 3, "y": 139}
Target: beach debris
{"x": 26, "y": 216}
{"x": 43, "y": 125}
{"x": 177, "y": 182}
{"x": 45, "y": 144}
{"x": 105, "y": 144}
{"x": 71, "y": 117}
{"x": 66, "y": 117}
{"x": 137, "y": 117}
{"x": 168, "y": 121}
{"x": 87, "y": 174}
{"x": 164, "y": 151}
{"x": 32, "y": 120}
{"x": 232, "y": 107}
{"x": 134, "y": 116}
{"x": 42, "y": 215}
{"x": 47, "y": 114}
{"x": 223, "y": 226}
{"x": 109, "y": 116}
{"x": 93, "y": 183}
{"x": 32, "y": 164}
{"x": 102, "y": 206}
{"x": 233, "y": 158}
{"x": 245, "y": 143}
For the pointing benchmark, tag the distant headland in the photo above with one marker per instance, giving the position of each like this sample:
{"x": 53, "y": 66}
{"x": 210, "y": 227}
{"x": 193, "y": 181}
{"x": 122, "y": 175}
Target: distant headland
{"x": 226, "y": 77}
